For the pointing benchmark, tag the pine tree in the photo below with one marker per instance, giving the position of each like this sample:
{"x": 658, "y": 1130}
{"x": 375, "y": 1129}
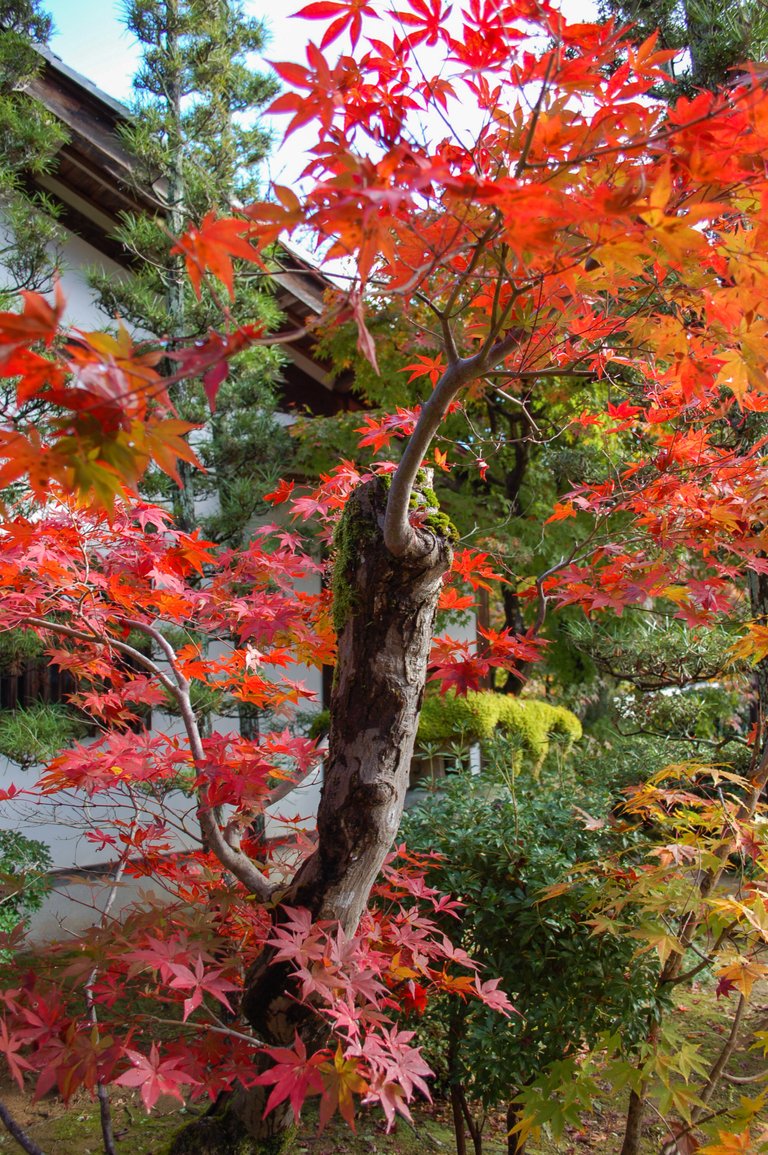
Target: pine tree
{"x": 198, "y": 144}
{"x": 30, "y": 137}
{"x": 713, "y": 38}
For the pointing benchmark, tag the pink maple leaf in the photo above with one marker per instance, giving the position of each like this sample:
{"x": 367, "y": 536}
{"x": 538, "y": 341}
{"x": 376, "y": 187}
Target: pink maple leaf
{"x": 295, "y": 1075}
{"x": 155, "y": 1076}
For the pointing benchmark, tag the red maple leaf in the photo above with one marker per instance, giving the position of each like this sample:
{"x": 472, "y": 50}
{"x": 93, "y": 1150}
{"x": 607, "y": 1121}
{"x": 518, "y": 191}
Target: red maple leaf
{"x": 473, "y": 567}
{"x": 455, "y": 667}
{"x": 211, "y": 247}
{"x": 295, "y": 1075}
{"x": 10, "y": 1047}
{"x": 155, "y": 1076}
{"x": 200, "y": 981}
{"x": 348, "y": 14}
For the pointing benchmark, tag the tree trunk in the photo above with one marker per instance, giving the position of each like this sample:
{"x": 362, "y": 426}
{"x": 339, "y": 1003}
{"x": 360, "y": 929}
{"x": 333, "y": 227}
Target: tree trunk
{"x": 385, "y": 612}
{"x": 385, "y": 609}
{"x": 633, "y": 1130}
{"x": 458, "y": 1121}
{"x": 515, "y": 1145}
{"x": 758, "y": 597}
{"x": 223, "y": 1130}
{"x": 458, "y": 1103}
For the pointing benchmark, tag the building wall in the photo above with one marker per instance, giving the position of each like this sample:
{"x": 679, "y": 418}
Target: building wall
{"x": 77, "y": 255}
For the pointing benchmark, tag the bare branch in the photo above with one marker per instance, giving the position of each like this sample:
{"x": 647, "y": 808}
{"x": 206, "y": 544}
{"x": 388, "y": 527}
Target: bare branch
{"x": 162, "y": 642}
{"x": 523, "y": 159}
{"x": 277, "y": 793}
{"x": 237, "y": 863}
{"x": 22, "y": 1138}
{"x": 399, "y": 536}
{"x": 232, "y": 859}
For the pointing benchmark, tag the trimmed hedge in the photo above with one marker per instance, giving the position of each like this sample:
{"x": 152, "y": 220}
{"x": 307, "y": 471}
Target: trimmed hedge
{"x": 531, "y": 724}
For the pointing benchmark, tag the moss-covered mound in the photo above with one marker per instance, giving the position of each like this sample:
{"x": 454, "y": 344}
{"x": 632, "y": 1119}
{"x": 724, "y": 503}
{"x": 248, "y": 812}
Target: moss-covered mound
{"x": 530, "y": 724}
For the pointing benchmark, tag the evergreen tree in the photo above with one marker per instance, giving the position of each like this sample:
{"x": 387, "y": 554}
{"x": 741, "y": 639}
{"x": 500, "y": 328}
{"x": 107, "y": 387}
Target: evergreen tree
{"x": 30, "y": 138}
{"x": 198, "y": 143}
{"x": 713, "y": 37}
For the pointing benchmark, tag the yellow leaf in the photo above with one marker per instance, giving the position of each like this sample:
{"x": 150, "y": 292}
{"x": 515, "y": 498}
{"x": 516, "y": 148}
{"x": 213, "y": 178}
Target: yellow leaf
{"x": 664, "y": 944}
{"x": 753, "y": 647}
{"x": 743, "y": 974}
{"x": 728, "y": 1144}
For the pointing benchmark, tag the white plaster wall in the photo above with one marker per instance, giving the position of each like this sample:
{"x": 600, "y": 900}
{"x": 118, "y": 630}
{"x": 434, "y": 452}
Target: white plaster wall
{"x": 63, "y": 820}
{"x": 81, "y": 309}
{"x": 77, "y": 256}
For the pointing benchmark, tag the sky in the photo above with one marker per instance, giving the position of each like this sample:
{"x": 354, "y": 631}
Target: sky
{"x": 91, "y": 38}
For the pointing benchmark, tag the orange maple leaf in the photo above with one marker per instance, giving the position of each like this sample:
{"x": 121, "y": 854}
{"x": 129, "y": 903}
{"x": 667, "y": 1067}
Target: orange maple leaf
{"x": 212, "y": 247}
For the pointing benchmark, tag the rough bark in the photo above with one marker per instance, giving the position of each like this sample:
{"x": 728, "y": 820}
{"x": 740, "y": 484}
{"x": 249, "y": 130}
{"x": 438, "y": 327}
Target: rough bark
{"x": 458, "y": 1121}
{"x": 758, "y": 597}
{"x": 385, "y": 616}
{"x": 633, "y": 1130}
{"x": 389, "y": 607}
{"x": 222, "y": 1131}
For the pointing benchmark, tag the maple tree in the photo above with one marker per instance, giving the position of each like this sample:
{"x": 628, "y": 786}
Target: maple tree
{"x": 574, "y": 228}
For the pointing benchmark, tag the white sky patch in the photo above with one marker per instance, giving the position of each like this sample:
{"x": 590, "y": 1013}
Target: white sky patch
{"x": 92, "y": 39}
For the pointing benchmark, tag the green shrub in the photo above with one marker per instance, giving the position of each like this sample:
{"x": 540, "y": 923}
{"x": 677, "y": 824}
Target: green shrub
{"x": 527, "y": 723}
{"x": 709, "y": 712}
{"x": 24, "y": 866}
{"x": 37, "y": 733}
{"x": 501, "y": 849}
{"x": 320, "y": 724}
{"x": 17, "y": 647}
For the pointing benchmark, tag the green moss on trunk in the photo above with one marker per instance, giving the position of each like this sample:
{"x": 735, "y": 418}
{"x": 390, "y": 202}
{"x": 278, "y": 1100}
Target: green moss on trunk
{"x": 354, "y": 530}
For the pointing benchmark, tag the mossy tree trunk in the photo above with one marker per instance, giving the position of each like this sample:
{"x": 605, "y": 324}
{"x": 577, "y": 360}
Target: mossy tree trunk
{"x": 385, "y": 615}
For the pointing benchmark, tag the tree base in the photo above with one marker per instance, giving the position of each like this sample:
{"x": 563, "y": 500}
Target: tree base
{"x": 220, "y": 1132}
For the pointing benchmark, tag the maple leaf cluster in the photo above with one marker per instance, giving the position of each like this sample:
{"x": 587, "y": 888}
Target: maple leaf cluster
{"x": 464, "y": 666}
{"x": 586, "y": 232}
{"x": 183, "y": 968}
{"x": 90, "y": 584}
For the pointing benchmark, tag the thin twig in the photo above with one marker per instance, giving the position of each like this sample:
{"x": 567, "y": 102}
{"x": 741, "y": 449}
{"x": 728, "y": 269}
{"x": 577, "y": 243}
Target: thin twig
{"x": 109, "y": 642}
{"x": 723, "y": 1058}
{"x": 105, "y": 1109}
{"x": 235, "y": 861}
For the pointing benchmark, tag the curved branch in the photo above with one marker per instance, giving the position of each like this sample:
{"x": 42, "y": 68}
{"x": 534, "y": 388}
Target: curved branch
{"x": 399, "y": 535}
{"x": 237, "y": 863}
{"x": 25, "y": 1141}
{"x": 232, "y": 859}
{"x": 155, "y": 635}
{"x": 95, "y": 639}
